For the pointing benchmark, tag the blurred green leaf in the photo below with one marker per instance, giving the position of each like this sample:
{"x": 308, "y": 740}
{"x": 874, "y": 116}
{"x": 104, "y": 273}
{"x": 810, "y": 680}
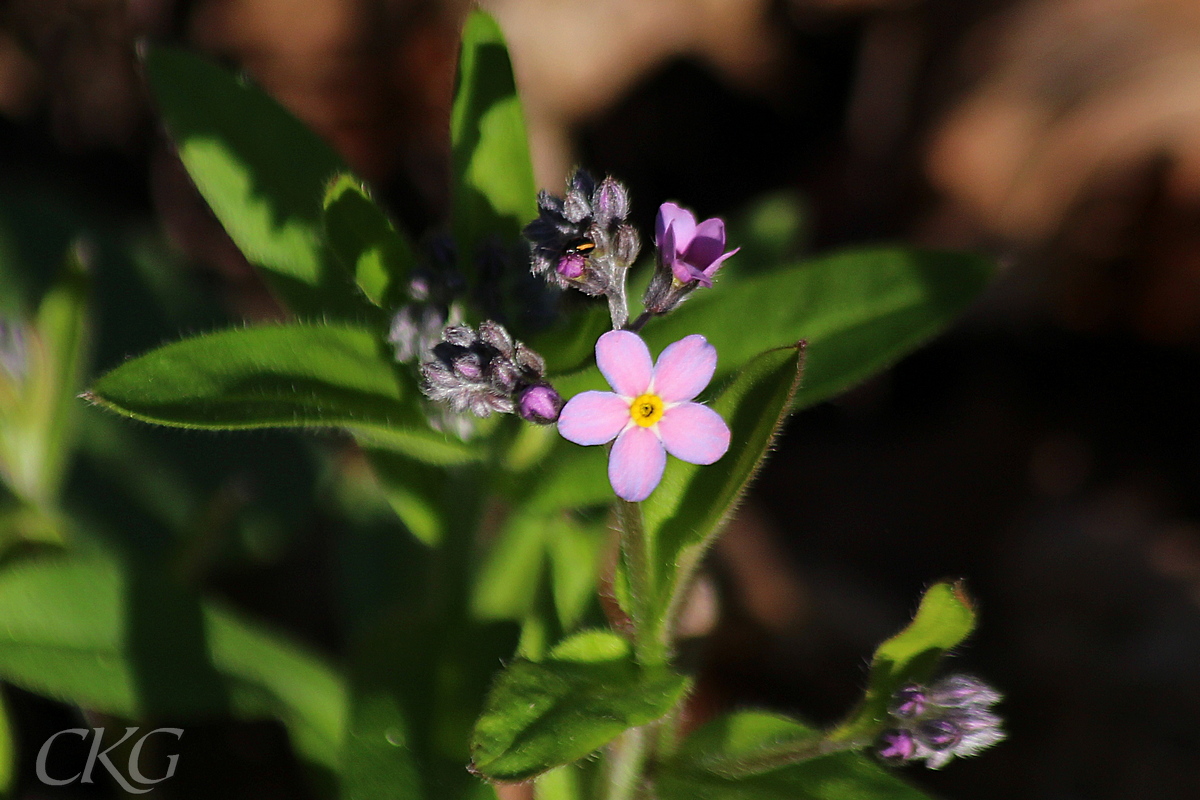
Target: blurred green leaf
{"x": 366, "y": 243}
{"x": 38, "y": 406}
{"x": 687, "y": 510}
{"x": 771, "y": 230}
{"x": 379, "y": 756}
{"x": 262, "y": 172}
{"x": 708, "y": 766}
{"x": 859, "y": 311}
{"x": 944, "y": 619}
{"x": 124, "y": 641}
{"x": 494, "y": 191}
{"x": 540, "y": 715}
{"x": 421, "y": 684}
{"x": 8, "y": 751}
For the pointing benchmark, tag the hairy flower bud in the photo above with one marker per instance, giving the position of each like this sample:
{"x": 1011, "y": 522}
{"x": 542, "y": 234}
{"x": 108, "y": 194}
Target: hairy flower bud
{"x": 486, "y": 371}
{"x": 582, "y": 241}
{"x": 949, "y": 718}
{"x": 540, "y": 404}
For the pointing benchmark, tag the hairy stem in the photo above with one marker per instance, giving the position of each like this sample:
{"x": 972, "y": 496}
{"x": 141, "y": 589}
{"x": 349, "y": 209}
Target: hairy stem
{"x": 627, "y": 763}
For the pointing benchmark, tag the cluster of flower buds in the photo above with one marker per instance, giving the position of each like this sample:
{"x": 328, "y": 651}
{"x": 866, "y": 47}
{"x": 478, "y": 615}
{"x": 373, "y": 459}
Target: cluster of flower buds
{"x": 487, "y": 371}
{"x": 949, "y": 718}
{"x": 417, "y": 326}
{"x": 582, "y": 240}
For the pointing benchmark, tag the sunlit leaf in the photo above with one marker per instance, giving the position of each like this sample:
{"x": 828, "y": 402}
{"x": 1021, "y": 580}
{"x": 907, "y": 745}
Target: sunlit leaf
{"x": 262, "y": 172}
{"x": 366, "y": 243}
{"x": 494, "y": 192}
{"x": 944, "y": 619}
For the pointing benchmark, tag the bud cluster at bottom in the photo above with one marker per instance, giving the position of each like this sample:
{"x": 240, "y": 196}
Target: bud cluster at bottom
{"x": 949, "y": 718}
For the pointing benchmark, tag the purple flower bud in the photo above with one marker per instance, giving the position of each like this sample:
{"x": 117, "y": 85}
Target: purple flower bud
{"x": 468, "y": 365}
{"x": 539, "y": 404}
{"x": 895, "y": 746}
{"x": 939, "y": 734}
{"x": 494, "y": 335}
{"x": 961, "y": 691}
{"x": 909, "y": 702}
{"x": 571, "y": 265}
{"x": 610, "y": 202}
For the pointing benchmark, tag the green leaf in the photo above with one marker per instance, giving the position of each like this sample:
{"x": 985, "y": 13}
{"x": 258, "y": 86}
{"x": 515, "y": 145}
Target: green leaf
{"x": 944, "y": 619}
{"x": 541, "y": 715}
{"x": 123, "y": 641}
{"x": 692, "y": 503}
{"x": 366, "y": 243}
{"x": 8, "y": 751}
{"x": 494, "y": 190}
{"x": 709, "y": 766}
{"x": 261, "y": 171}
{"x": 859, "y": 311}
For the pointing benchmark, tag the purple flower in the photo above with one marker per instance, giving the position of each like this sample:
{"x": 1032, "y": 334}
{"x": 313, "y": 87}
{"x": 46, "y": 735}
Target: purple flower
{"x": 693, "y": 252}
{"x": 649, "y": 412}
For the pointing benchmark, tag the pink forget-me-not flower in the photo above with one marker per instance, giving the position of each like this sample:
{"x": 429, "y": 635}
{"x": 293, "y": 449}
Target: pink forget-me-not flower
{"x": 693, "y": 252}
{"x": 649, "y": 412}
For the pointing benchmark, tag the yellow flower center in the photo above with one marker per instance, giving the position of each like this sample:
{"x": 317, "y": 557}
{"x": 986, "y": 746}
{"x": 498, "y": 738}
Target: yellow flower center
{"x": 647, "y": 410}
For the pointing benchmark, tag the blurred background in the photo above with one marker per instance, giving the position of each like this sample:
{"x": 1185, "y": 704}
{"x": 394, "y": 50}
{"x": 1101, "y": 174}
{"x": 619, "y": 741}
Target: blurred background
{"x": 1046, "y": 449}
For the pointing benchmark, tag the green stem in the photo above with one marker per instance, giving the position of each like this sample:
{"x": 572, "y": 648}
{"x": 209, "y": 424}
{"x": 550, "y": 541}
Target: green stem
{"x": 649, "y": 633}
{"x": 782, "y": 755}
{"x": 626, "y": 764}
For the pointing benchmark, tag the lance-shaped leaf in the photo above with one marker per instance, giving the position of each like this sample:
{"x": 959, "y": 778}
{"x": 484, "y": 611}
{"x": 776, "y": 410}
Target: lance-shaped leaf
{"x": 687, "y": 510}
{"x": 125, "y": 641}
{"x": 944, "y": 619}
{"x": 711, "y": 765}
{"x": 261, "y": 171}
{"x": 494, "y": 192}
{"x": 294, "y": 375}
{"x": 541, "y": 715}
{"x": 366, "y": 243}
{"x": 859, "y": 311}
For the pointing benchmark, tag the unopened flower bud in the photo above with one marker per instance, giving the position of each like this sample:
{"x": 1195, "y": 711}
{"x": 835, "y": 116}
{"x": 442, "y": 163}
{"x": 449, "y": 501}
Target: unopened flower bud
{"x": 939, "y": 734}
{"x": 540, "y": 404}
{"x": 895, "y": 746}
{"x": 949, "y": 718}
{"x": 909, "y": 702}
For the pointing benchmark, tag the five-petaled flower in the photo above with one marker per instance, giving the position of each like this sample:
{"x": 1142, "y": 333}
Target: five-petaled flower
{"x": 649, "y": 412}
{"x": 693, "y": 252}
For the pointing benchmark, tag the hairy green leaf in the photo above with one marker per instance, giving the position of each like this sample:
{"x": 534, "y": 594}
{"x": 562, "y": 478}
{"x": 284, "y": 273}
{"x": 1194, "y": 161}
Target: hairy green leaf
{"x": 944, "y": 619}
{"x": 543, "y": 714}
{"x": 859, "y": 311}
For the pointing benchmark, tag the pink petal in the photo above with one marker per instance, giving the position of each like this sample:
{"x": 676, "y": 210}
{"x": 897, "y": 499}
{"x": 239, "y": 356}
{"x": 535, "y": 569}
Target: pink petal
{"x": 707, "y": 244}
{"x": 694, "y": 433}
{"x": 593, "y": 417}
{"x": 712, "y": 268}
{"x": 625, "y": 362}
{"x": 636, "y": 463}
{"x": 684, "y": 369}
{"x": 672, "y": 216}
